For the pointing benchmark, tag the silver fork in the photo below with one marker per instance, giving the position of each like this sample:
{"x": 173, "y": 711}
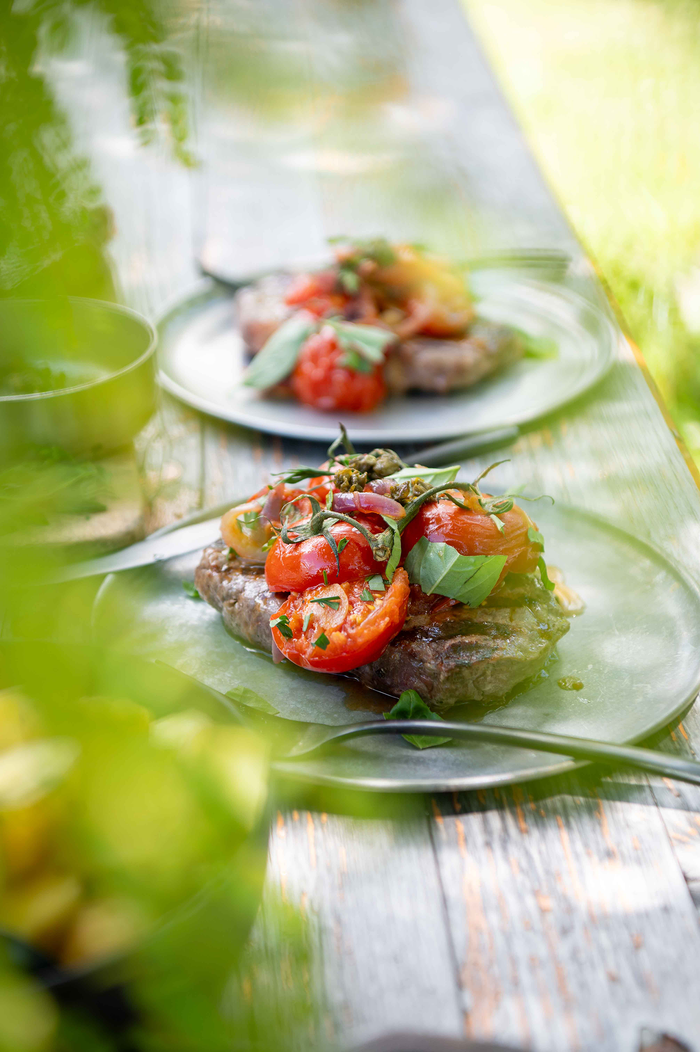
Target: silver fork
{"x": 317, "y": 738}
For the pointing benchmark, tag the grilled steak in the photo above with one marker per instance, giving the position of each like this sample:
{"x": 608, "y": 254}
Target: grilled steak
{"x": 260, "y": 309}
{"x": 240, "y": 592}
{"x": 440, "y": 366}
{"x": 448, "y": 652}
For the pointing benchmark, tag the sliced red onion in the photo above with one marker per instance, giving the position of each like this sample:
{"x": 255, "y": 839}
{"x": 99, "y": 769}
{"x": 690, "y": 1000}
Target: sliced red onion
{"x": 372, "y": 503}
{"x": 277, "y": 654}
{"x": 380, "y": 486}
{"x": 273, "y": 504}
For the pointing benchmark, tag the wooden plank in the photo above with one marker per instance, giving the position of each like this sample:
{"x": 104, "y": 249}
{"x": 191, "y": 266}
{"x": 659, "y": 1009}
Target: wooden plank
{"x": 373, "y": 892}
{"x": 571, "y": 921}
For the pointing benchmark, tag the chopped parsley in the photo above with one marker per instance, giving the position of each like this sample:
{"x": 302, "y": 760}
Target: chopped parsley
{"x": 281, "y": 623}
{"x": 333, "y": 601}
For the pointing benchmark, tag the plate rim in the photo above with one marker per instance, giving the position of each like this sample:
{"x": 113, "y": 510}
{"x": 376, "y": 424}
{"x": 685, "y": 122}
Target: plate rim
{"x": 206, "y": 288}
{"x": 464, "y": 783}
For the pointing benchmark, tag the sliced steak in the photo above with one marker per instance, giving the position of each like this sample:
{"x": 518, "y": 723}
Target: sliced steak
{"x": 240, "y": 592}
{"x": 260, "y": 309}
{"x": 448, "y": 652}
{"x": 439, "y": 366}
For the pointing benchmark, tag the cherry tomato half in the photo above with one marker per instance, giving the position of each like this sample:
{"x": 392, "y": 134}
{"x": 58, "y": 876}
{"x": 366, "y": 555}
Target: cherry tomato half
{"x": 296, "y": 567}
{"x": 343, "y": 630}
{"x": 248, "y": 527}
{"x": 323, "y": 380}
{"x": 473, "y": 532}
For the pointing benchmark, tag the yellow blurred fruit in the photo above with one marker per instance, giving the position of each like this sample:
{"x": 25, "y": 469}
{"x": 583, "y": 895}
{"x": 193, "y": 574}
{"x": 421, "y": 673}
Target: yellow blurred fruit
{"x": 28, "y": 1015}
{"x": 103, "y": 929}
{"x": 30, "y": 801}
{"x": 19, "y": 720}
{"x": 41, "y": 909}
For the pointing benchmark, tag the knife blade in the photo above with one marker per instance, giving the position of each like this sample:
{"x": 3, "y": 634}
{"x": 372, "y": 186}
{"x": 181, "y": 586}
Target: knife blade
{"x": 143, "y": 553}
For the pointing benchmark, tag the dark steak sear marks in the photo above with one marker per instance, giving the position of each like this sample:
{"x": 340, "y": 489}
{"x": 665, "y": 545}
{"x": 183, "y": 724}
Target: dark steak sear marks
{"x": 448, "y": 652}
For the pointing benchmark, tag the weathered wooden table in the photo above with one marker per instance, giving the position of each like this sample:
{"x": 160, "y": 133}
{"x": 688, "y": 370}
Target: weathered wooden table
{"x": 553, "y": 916}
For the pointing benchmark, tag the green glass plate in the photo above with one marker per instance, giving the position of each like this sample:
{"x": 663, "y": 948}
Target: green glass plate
{"x": 636, "y": 649}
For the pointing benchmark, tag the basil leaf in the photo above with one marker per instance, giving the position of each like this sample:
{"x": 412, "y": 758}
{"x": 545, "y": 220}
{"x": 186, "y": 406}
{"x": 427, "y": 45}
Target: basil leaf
{"x": 376, "y": 583}
{"x": 368, "y": 340}
{"x": 355, "y": 362}
{"x": 366, "y": 595}
{"x": 439, "y": 568}
{"x": 190, "y": 590}
{"x": 535, "y": 537}
{"x": 411, "y": 706}
{"x": 549, "y": 585}
{"x": 245, "y": 696}
{"x": 322, "y": 641}
{"x": 341, "y": 544}
{"x": 435, "y": 476}
{"x": 307, "y": 618}
{"x": 279, "y": 355}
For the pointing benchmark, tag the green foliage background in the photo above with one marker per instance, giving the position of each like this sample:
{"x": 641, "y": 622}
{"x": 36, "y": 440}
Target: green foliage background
{"x": 607, "y": 91}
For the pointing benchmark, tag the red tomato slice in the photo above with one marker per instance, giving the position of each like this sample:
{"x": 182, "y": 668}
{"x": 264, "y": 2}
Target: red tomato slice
{"x": 296, "y": 567}
{"x": 473, "y": 532}
{"x": 343, "y": 631}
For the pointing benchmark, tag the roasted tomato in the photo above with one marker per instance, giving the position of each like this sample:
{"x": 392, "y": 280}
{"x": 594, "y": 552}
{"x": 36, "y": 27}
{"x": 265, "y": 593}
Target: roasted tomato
{"x": 333, "y": 629}
{"x": 473, "y": 532}
{"x": 316, "y": 293}
{"x": 248, "y": 528}
{"x": 321, "y": 379}
{"x": 296, "y": 567}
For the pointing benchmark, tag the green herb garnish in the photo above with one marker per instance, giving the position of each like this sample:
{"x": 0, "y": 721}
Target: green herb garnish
{"x": 190, "y": 590}
{"x": 332, "y": 601}
{"x": 438, "y": 568}
{"x": 354, "y": 361}
{"x": 549, "y": 585}
{"x": 437, "y": 476}
{"x": 281, "y": 623}
{"x": 536, "y": 538}
{"x": 342, "y": 544}
{"x": 366, "y": 595}
{"x": 376, "y": 583}
{"x": 411, "y": 706}
{"x": 325, "y": 577}
{"x": 395, "y": 548}
{"x": 231, "y": 553}
{"x": 322, "y": 641}
{"x": 305, "y": 623}
{"x": 278, "y": 356}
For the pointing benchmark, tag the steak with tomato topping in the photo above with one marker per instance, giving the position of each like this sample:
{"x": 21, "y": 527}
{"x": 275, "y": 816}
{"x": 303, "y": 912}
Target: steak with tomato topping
{"x": 448, "y": 652}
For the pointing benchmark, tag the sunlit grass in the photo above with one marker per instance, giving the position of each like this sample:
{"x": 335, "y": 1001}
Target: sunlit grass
{"x": 608, "y": 92}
